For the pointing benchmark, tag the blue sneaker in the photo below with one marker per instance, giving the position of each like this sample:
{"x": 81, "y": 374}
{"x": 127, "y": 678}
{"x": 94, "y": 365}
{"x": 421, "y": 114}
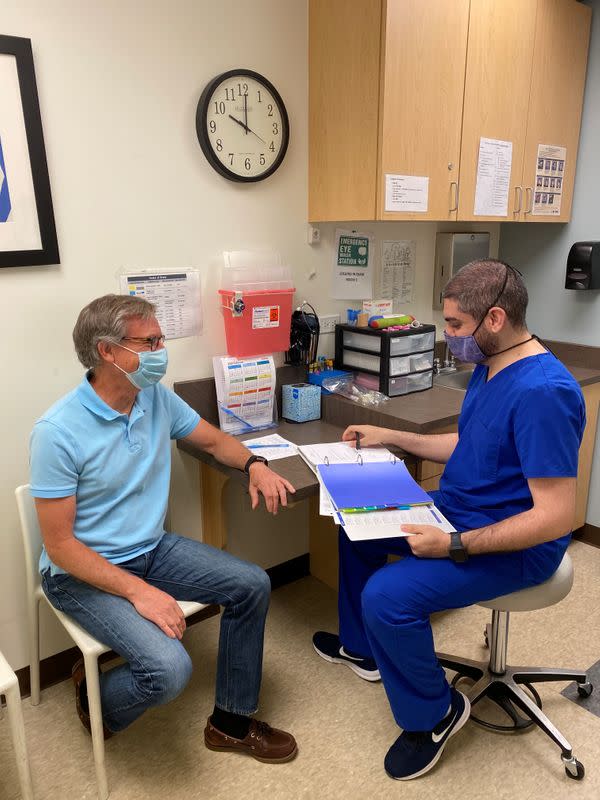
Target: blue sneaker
{"x": 329, "y": 647}
{"x": 414, "y": 754}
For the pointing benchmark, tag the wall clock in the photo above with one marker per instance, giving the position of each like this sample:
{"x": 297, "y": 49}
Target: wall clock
{"x": 242, "y": 126}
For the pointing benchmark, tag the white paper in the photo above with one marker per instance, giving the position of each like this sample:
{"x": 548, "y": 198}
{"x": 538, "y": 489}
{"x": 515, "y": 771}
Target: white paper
{"x": 342, "y": 453}
{"x": 386, "y": 524}
{"x": 326, "y": 507}
{"x": 245, "y": 392}
{"x": 493, "y": 178}
{"x": 397, "y": 272}
{"x": 352, "y": 265}
{"x": 176, "y": 296}
{"x": 549, "y": 177}
{"x": 282, "y": 449}
{"x": 406, "y": 193}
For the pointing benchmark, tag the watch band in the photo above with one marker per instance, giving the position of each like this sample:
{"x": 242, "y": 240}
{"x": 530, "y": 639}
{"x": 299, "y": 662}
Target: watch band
{"x": 252, "y": 460}
{"x": 457, "y": 551}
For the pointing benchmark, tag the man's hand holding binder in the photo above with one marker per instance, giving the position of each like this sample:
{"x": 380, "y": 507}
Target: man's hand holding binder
{"x": 427, "y": 541}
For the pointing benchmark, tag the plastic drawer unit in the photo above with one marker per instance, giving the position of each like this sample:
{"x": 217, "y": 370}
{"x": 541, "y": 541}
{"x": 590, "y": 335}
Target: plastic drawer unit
{"x": 402, "y": 360}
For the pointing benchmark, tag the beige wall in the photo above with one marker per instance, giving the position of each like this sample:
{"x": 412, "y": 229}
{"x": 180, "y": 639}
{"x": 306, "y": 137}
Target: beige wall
{"x": 118, "y": 85}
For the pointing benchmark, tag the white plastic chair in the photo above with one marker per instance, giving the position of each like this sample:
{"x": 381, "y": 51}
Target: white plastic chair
{"x": 90, "y": 647}
{"x": 9, "y": 687}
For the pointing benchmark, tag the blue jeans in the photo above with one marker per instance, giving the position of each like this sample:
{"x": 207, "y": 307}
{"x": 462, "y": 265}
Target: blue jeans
{"x": 157, "y": 668}
{"x": 384, "y": 612}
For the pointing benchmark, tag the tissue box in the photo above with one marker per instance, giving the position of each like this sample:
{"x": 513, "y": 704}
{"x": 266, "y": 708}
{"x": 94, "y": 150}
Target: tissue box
{"x": 301, "y": 402}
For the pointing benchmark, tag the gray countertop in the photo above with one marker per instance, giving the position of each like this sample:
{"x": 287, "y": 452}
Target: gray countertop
{"x": 294, "y": 468}
{"x": 421, "y": 412}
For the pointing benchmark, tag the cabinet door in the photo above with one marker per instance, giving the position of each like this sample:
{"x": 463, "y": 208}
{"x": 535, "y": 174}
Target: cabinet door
{"x": 497, "y": 83}
{"x": 422, "y": 83}
{"x": 344, "y": 49}
{"x": 556, "y": 100}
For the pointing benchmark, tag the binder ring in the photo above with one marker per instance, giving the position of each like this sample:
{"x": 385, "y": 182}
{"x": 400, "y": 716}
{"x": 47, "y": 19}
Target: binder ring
{"x": 359, "y": 458}
{"x": 393, "y": 458}
{"x": 326, "y": 461}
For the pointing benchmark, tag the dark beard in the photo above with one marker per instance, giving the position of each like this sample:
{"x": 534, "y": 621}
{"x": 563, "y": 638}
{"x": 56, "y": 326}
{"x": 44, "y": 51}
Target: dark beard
{"x": 488, "y": 342}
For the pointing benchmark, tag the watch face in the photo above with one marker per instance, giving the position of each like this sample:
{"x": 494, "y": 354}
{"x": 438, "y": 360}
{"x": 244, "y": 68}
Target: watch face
{"x": 242, "y": 126}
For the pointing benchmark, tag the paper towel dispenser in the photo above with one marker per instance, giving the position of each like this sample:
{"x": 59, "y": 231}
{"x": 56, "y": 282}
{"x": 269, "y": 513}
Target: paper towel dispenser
{"x": 583, "y": 266}
{"x": 453, "y": 251}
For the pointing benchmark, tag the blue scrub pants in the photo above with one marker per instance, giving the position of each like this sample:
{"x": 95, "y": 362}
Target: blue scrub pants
{"x": 384, "y": 612}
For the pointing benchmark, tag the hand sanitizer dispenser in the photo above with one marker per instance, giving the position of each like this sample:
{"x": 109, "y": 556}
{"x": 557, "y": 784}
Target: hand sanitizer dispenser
{"x": 583, "y": 266}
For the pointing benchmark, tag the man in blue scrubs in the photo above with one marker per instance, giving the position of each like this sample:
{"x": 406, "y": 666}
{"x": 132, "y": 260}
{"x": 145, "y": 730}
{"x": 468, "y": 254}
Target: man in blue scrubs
{"x": 509, "y": 490}
{"x": 100, "y": 471}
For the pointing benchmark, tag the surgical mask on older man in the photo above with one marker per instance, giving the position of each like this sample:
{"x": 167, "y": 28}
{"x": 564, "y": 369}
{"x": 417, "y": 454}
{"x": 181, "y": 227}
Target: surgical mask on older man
{"x": 152, "y": 367}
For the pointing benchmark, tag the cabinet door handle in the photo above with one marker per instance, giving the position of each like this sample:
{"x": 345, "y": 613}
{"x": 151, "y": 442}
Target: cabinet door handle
{"x": 518, "y": 189}
{"x": 529, "y": 208}
{"x": 455, "y": 206}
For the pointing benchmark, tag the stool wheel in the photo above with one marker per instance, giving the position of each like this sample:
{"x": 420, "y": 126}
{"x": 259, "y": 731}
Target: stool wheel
{"x": 584, "y": 689}
{"x": 574, "y": 769}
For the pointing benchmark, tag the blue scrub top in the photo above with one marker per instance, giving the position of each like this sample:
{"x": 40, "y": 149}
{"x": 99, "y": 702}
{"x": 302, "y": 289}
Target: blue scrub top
{"x": 526, "y": 422}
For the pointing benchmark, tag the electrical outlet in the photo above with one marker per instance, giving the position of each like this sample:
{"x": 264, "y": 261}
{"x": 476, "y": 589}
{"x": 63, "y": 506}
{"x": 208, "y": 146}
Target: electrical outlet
{"x": 314, "y": 235}
{"x": 328, "y": 322}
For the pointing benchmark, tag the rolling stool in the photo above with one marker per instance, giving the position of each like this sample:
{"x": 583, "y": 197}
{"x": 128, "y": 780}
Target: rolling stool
{"x": 501, "y": 683}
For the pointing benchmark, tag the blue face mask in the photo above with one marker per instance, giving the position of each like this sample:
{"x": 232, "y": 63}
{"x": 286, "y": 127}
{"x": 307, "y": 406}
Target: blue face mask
{"x": 152, "y": 367}
{"x": 465, "y": 348}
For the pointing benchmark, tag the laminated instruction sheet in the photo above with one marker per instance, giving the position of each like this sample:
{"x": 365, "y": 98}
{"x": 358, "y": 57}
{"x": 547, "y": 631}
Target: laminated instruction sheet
{"x": 176, "y": 296}
{"x": 549, "y": 176}
{"x": 245, "y": 392}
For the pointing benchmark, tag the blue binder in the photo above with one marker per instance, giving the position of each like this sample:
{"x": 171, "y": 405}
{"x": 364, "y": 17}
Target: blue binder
{"x": 360, "y": 486}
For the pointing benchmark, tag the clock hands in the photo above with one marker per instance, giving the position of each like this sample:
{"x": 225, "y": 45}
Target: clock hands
{"x": 245, "y": 127}
{"x": 246, "y": 113}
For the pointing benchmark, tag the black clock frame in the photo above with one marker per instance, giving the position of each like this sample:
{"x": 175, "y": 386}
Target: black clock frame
{"x": 202, "y": 128}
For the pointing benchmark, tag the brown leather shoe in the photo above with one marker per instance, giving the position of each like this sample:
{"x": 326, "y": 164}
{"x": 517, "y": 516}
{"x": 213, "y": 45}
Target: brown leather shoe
{"x": 263, "y": 742}
{"x": 78, "y": 675}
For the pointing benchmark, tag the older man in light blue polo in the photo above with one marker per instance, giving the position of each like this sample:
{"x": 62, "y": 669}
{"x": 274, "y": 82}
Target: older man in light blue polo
{"x": 100, "y": 471}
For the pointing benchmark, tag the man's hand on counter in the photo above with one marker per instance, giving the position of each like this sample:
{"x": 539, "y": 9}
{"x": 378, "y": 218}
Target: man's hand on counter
{"x": 272, "y": 486}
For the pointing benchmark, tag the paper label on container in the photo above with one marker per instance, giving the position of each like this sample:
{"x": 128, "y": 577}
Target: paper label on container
{"x": 265, "y": 317}
{"x": 549, "y": 176}
{"x": 493, "y": 178}
{"x": 406, "y": 193}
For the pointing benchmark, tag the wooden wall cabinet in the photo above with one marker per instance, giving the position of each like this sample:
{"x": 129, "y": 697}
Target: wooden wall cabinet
{"x": 403, "y": 87}
{"x": 524, "y": 83}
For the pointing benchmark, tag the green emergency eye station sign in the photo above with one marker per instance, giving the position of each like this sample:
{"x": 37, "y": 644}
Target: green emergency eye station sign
{"x": 353, "y": 251}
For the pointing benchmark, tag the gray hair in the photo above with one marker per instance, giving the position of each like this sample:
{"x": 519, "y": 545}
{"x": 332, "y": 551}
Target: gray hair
{"x": 477, "y": 285}
{"x": 105, "y": 320}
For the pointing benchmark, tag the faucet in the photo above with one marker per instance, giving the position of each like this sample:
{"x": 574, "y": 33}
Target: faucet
{"x": 447, "y": 365}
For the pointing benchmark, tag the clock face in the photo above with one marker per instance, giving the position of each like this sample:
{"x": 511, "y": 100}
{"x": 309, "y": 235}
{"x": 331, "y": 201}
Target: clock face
{"x": 242, "y": 126}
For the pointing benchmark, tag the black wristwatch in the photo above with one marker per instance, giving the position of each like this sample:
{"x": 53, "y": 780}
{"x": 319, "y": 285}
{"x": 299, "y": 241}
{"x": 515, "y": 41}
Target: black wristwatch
{"x": 253, "y": 460}
{"x": 458, "y": 552}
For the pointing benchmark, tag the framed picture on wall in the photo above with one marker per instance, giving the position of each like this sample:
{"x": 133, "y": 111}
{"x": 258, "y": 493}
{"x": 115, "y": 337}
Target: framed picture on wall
{"x": 27, "y": 230}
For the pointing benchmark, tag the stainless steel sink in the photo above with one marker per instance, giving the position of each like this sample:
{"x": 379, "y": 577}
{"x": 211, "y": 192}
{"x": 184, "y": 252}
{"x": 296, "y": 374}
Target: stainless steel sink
{"x": 454, "y": 380}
